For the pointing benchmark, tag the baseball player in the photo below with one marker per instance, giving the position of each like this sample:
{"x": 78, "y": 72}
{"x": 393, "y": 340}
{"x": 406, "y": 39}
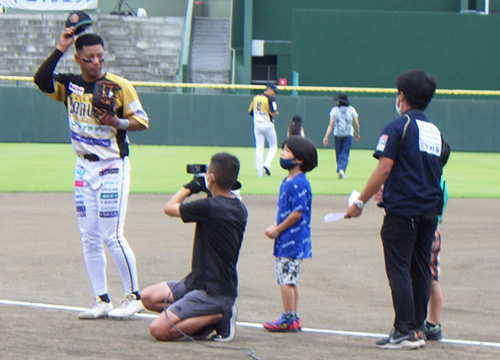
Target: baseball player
{"x": 263, "y": 108}
{"x": 102, "y": 180}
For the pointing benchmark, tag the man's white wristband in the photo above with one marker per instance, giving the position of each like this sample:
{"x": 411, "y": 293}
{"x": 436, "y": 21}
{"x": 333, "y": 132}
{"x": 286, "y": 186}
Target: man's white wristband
{"x": 123, "y": 125}
{"x": 359, "y": 204}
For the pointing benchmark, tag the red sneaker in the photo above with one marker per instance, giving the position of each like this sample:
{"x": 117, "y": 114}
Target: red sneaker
{"x": 282, "y": 325}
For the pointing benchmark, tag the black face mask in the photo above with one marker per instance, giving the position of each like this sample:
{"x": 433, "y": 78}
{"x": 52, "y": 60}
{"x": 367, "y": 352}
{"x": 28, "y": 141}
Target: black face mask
{"x": 288, "y": 164}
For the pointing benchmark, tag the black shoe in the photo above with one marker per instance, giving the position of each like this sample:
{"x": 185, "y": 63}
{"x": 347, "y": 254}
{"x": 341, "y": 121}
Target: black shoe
{"x": 225, "y": 327}
{"x": 397, "y": 340}
{"x": 267, "y": 171}
{"x": 205, "y": 333}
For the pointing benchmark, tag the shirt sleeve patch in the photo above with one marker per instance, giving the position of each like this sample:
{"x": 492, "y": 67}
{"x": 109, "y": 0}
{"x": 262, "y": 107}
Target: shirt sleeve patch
{"x": 382, "y": 142}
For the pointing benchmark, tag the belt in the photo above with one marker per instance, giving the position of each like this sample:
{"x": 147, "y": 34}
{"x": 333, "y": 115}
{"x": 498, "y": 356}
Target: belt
{"x": 91, "y": 157}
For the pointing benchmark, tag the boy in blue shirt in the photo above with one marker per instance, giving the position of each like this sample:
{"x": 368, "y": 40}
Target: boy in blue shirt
{"x": 292, "y": 230}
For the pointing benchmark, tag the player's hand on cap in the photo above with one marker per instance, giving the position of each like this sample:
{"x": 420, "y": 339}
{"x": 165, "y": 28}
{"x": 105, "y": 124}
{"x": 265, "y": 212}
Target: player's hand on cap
{"x": 67, "y": 38}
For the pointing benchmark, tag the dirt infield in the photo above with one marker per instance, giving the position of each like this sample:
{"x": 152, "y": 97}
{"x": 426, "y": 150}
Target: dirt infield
{"x": 343, "y": 287}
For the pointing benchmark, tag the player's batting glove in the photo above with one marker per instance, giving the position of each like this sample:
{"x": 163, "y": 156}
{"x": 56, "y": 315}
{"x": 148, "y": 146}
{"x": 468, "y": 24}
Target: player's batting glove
{"x": 197, "y": 184}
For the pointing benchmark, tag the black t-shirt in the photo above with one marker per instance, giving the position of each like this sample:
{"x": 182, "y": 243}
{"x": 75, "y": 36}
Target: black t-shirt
{"x": 220, "y": 224}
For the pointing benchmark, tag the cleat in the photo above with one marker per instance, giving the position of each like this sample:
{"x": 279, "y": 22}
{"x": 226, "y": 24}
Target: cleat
{"x": 267, "y": 171}
{"x": 98, "y": 310}
{"x": 128, "y": 307}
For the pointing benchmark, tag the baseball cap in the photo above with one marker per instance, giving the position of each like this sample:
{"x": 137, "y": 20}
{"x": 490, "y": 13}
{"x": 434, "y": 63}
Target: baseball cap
{"x": 272, "y": 86}
{"x": 80, "y": 20}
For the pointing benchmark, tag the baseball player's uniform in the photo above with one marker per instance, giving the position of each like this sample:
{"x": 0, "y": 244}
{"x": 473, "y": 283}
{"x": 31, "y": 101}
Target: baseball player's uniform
{"x": 102, "y": 169}
{"x": 261, "y": 108}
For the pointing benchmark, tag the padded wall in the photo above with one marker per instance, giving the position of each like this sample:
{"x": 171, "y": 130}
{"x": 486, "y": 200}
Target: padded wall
{"x": 222, "y": 120}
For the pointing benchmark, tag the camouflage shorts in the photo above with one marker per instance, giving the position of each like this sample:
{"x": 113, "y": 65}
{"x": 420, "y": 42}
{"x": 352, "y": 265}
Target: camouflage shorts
{"x": 287, "y": 270}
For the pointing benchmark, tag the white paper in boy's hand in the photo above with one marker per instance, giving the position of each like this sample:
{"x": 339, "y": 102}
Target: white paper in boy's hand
{"x": 353, "y": 197}
{"x": 333, "y": 217}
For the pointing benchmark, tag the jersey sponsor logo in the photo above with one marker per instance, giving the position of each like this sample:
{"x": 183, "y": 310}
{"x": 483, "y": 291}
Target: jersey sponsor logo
{"x": 80, "y": 109}
{"x": 429, "y": 138}
{"x": 109, "y": 196}
{"x": 108, "y": 214}
{"x": 108, "y": 171}
{"x": 382, "y": 141}
{"x": 90, "y": 141}
{"x": 110, "y": 202}
{"x": 81, "y": 211}
{"x": 108, "y": 208}
{"x": 76, "y": 89}
{"x": 80, "y": 171}
{"x": 87, "y": 127}
{"x": 137, "y": 109}
{"x": 79, "y": 183}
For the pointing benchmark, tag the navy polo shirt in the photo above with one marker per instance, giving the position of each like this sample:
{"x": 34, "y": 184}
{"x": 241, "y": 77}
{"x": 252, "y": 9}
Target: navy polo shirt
{"x": 414, "y": 144}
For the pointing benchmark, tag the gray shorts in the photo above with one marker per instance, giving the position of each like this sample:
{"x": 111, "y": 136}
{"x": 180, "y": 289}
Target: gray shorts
{"x": 194, "y": 303}
{"x": 287, "y": 270}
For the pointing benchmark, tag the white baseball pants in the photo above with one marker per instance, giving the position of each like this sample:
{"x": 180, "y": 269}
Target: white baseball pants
{"x": 264, "y": 131}
{"x": 100, "y": 195}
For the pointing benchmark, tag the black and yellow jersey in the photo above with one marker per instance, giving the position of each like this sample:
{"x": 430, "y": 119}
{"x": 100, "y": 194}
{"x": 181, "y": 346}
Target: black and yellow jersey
{"x": 261, "y": 108}
{"x": 87, "y": 135}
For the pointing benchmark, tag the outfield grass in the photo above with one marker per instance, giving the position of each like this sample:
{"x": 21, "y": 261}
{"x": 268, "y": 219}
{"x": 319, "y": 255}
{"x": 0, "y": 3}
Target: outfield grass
{"x": 161, "y": 169}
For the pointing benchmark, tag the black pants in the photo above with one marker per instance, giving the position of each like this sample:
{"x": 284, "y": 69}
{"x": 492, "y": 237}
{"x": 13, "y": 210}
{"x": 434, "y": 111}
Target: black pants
{"x": 407, "y": 243}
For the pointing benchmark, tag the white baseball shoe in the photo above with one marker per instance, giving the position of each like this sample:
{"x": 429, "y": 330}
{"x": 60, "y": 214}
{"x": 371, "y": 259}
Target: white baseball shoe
{"x": 98, "y": 310}
{"x": 128, "y": 307}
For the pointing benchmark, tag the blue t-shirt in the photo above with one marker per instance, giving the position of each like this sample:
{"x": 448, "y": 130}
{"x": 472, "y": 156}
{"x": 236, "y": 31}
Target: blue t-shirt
{"x": 414, "y": 143}
{"x": 295, "y": 195}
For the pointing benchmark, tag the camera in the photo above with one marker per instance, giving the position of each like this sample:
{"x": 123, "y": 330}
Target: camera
{"x": 196, "y": 168}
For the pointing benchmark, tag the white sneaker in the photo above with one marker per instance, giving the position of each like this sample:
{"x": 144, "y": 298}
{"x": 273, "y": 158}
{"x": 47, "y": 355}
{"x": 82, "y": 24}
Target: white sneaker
{"x": 128, "y": 307}
{"x": 98, "y": 310}
{"x": 342, "y": 175}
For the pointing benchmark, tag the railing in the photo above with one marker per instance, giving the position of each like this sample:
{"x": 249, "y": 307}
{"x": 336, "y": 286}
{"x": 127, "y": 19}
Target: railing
{"x": 325, "y": 89}
{"x": 183, "y": 72}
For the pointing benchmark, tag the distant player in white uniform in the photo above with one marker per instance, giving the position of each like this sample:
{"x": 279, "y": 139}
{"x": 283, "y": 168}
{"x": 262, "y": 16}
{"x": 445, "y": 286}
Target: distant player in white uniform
{"x": 102, "y": 178}
{"x": 263, "y": 108}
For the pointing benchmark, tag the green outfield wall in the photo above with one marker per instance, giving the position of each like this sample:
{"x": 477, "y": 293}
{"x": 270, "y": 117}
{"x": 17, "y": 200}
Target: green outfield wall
{"x": 27, "y": 115}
